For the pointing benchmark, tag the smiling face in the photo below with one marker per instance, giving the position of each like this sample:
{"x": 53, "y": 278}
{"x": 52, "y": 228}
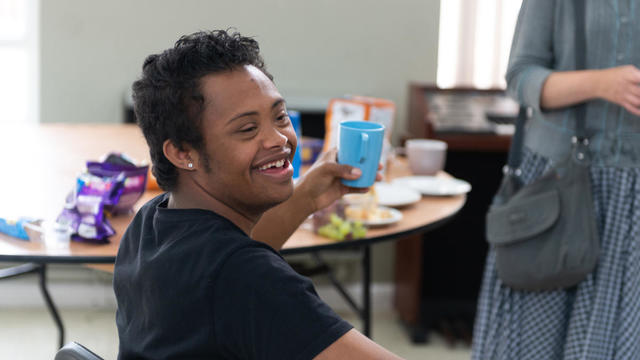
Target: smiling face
{"x": 249, "y": 141}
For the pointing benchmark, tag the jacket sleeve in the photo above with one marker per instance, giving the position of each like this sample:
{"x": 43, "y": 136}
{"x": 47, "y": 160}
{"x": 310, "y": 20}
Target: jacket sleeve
{"x": 531, "y": 59}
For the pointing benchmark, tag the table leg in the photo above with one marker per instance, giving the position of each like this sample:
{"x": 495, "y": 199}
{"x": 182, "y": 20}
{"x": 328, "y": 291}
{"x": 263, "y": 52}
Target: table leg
{"x": 18, "y": 270}
{"x": 363, "y": 311}
{"x": 42, "y": 273}
{"x": 325, "y": 269}
{"x": 366, "y": 290}
{"x": 41, "y": 269}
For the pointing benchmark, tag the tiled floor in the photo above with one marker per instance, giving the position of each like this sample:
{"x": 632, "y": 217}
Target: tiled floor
{"x": 30, "y": 334}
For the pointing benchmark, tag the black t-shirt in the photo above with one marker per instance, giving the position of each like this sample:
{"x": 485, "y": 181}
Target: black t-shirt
{"x": 192, "y": 285}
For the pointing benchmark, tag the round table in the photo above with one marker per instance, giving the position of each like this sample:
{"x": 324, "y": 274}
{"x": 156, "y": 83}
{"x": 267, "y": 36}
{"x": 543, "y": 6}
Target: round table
{"x": 44, "y": 160}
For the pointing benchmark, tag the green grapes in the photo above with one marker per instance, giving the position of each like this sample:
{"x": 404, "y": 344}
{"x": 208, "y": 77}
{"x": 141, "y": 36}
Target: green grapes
{"x": 339, "y": 229}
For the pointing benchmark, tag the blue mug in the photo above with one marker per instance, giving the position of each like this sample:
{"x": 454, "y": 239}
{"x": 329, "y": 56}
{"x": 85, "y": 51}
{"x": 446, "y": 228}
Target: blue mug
{"x": 297, "y": 156}
{"x": 360, "y": 146}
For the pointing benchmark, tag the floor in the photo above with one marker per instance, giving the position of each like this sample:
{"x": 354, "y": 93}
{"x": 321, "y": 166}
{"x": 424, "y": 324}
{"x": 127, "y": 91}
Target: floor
{"x": 30, "y": 334}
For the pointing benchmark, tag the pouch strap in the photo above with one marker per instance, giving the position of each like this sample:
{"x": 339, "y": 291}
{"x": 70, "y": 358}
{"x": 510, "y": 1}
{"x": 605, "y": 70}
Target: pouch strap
{"x": 580, "y": 55}
{"x": 515, "y": 150}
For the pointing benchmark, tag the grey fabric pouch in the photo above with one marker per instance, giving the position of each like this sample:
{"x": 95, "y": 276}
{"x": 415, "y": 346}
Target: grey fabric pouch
{"x": 544, "y": 234}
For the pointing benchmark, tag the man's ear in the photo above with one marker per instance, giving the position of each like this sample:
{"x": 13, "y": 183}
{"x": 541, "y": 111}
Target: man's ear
{"x": 185, "y": 158}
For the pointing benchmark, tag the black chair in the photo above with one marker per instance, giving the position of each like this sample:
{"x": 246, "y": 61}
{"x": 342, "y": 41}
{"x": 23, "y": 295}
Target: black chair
{"x": 75, "y": 351}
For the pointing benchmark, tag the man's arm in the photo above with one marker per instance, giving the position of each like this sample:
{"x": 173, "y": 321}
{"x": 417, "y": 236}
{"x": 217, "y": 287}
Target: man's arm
{"x": 318, "y": 188}
{"x": 355, "y": 346}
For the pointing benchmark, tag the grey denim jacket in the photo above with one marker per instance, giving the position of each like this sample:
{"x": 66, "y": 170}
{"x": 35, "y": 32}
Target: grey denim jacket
{"x": 544, "y": 42}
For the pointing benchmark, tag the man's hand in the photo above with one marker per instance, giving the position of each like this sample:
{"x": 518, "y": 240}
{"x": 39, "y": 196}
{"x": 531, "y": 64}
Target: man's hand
{"x": 319, "y": 187}
{"x": 322, "y": 185}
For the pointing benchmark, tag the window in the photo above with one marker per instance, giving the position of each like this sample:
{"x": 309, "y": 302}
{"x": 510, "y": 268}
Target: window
{"x": 474, "y": 42}
{"x": 18, "y": 61}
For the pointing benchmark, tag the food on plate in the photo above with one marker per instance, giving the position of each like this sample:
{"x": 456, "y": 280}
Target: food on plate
{"x": 330, "y": 222}
{"x": 364, "y": 207}
{"x": 366, "y": 214}
{"x": 340, "y": 229}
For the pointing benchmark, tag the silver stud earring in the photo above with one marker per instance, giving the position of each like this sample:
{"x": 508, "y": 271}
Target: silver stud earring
{"x": 190, "y": 165}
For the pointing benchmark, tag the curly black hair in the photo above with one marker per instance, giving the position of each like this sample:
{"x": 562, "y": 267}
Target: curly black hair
{"x": 168, "y": 101}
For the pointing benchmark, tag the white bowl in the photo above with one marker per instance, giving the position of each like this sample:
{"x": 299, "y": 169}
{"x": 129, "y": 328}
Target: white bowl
{"x": 426, "y": 156}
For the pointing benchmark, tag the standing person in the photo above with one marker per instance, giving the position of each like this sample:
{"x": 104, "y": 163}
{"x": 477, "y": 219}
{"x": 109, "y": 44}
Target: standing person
{"x": 600, "y": 317}
{"x": 189, "y": 280}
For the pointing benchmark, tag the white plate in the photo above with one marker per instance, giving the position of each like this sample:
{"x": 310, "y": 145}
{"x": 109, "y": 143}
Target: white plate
{"x": 435, "y": 185}
{"x": 394, "y": 195}
{"x": 396, "y": 216}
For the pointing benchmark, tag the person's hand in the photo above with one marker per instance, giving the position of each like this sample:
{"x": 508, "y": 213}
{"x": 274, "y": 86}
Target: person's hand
{"x": 621, "y": 85}
{"x": 322, "y": 185}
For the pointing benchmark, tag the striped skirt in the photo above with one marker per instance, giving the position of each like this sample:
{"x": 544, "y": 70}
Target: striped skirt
{"x": 597, "y": 319}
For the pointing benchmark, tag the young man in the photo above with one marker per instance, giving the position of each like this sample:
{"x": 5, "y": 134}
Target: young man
{"x": 189, "y": 280}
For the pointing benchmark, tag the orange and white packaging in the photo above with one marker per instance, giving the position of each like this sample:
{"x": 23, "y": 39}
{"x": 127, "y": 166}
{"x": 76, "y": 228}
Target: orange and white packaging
{"x": 353, "y": 108}
{"x": 362, "y": 108}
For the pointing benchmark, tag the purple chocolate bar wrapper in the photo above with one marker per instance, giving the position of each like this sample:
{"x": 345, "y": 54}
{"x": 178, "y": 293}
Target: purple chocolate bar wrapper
{"x": 111, "y": 186}
{"x": 132, "y": 187}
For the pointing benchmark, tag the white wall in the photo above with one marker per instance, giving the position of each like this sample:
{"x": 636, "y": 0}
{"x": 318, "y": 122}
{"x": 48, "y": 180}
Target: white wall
{"x": 93, "y": 50}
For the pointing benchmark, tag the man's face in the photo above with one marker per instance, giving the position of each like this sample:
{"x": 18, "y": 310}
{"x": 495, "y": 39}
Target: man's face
{"x": 249, "y": 141}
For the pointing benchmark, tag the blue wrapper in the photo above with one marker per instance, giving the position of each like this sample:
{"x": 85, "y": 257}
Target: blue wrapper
{"x": 15, "y": 228}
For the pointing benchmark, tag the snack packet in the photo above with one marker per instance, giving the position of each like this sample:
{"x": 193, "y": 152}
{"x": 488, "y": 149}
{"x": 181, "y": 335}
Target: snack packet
{"x": 84, "y": 210}
{"x": 15, "y": 228}
{"x": 130, "y": 184}
{"x": 107, "y": 188}
{"x": 349, "y": 108}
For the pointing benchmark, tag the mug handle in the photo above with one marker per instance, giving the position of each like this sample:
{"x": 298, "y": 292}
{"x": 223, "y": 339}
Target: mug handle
{"x": 364, "y": 144}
